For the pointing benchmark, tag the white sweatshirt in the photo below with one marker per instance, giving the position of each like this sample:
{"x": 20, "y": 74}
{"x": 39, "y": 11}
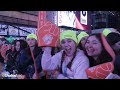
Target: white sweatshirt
{"x": 79, "y": 65}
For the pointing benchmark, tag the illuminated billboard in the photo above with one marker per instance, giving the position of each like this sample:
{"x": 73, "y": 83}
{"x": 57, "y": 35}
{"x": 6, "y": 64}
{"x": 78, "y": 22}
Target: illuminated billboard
{"x": 83, "y": 17}
{"x": 76, "y": 19}
{"x": 83, "y": 20}
{"x": 67, "y": 18}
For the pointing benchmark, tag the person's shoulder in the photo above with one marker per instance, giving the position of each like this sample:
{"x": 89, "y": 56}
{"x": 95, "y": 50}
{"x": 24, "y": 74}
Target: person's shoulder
{"x": 80, "y": 52}
{"x": 39, "y": 48}
{"x": 24, "y": 51}
{"x": 81, "y": 55}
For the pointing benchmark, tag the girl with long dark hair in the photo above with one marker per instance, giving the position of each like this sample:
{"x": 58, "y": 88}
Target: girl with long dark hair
{"x": 96, "y": 51}
{"x": 99, "y": 51}
{"x": 12, "y": 63}
{"x": 27, "y": 65}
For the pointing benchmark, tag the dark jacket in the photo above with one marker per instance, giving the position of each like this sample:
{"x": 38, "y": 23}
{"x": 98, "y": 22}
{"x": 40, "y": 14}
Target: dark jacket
{"x": 11, "y": 61}
{"x": 25, "y": 64}
{"x": 117, "y": 65}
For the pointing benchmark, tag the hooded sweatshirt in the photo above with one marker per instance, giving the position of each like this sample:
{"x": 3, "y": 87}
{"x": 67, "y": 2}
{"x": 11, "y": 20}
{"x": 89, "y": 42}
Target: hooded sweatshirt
{"x": 79, "y": 64}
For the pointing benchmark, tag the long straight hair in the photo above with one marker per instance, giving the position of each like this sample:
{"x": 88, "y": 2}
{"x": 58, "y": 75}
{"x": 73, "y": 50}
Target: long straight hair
{"x": 103, "y": 57}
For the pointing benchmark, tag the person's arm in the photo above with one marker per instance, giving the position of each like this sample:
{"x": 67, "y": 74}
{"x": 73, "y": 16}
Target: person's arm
{"x": 80, "y": 73}
{"x": 48, "y": 61}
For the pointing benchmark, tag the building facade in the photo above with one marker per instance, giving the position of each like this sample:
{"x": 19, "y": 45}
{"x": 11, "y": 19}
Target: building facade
{"x": 21, "y": 23}
{"x": 105, "y": 19}
{"x": 18, "y": 23}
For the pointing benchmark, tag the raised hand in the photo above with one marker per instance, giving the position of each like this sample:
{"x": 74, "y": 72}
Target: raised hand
{"x": 48, "y": 35}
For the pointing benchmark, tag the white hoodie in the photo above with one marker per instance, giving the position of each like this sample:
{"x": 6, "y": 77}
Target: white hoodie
{"x": 79, "y": 65}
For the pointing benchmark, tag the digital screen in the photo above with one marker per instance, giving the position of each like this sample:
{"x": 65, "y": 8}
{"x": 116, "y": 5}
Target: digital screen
{"x": 76, "y": 19}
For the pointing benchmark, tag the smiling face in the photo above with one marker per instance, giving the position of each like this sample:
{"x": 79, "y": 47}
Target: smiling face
{"x": 93, "y": 47}
{"x": 69, "y": 46}
{"x": 31, "y": 42}
{"x": 17, "y": 46}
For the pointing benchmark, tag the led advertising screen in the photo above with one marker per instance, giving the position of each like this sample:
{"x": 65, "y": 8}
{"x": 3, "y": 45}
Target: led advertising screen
{"x": 76, "y": 19}
{"x": 83, "y": 20}
{"x": 67, "y": 18}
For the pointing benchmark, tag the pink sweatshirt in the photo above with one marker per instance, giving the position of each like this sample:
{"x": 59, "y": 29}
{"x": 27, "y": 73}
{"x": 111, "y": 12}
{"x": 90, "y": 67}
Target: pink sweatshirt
{"x": 78, "y": 67}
